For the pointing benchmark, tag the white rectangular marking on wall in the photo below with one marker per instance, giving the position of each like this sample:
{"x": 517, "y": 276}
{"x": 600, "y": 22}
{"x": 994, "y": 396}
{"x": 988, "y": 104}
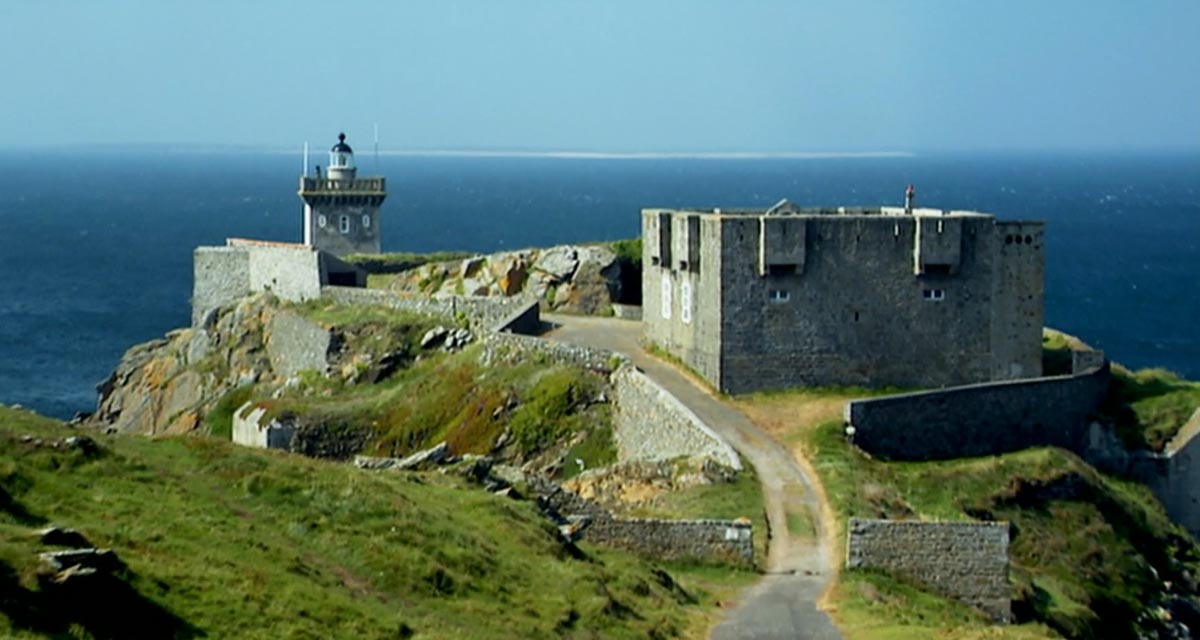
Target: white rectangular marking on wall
{"x": 731, "y": 533}
{"x": 685, "y": 302}
{"x": 666, "y": 296}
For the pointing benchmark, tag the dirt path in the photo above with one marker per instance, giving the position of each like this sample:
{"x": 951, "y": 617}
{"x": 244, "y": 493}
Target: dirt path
{"x": 784, "y": 603}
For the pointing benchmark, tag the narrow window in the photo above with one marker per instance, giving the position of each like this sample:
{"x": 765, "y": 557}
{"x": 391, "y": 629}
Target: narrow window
{"x": 685, "y": 302}
{"x": 779, "y": 295}
{"x": 366, "y": 222}
{"x": 933, "y": 295}
{"x": 321, "y": 221}
{"x": 666, "y": 296}
{"x": 344, "y": 224}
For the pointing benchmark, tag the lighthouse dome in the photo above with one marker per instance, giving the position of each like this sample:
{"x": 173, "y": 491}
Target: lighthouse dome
{"x": 341, "y": 160}
{"x": 341, "y": 146}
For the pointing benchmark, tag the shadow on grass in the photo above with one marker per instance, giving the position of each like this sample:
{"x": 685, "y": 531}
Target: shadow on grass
{"x": 14, "y": 509}
{"x": 106, "y": 606}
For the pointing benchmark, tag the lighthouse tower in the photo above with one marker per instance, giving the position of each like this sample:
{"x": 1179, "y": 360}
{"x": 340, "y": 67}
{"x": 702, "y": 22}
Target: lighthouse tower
{"x": 341, "y": 210}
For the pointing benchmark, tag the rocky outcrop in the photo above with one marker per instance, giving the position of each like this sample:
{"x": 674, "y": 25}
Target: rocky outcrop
{"x": 167, "y": 385}
{"x": 583, "y": 279}
{"x": 620, "y": 487}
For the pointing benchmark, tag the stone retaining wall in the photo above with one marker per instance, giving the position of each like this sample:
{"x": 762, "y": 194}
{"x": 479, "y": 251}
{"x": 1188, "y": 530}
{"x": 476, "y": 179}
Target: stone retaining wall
{"x": 295, "y": 343}
{"x": 967, "y": 561}
{"x": 979, "y": 419}
{"x": 483, "y": 313}
{"x": 721, "y": 540}
{"x": 651, "y": 424}
{"x": 511, "y": 347}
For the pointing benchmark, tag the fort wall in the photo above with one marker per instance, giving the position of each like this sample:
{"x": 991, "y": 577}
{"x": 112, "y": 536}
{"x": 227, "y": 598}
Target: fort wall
{"x": 967, "y": 561}
{"x": 222, "y": 275}
{"x": 844, "y": 298}
{"x": 979, "y": 419}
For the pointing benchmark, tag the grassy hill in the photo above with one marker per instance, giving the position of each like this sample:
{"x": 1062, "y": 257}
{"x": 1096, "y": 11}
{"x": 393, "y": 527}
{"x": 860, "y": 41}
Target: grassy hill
{"x": 1092, "y": 556}
{"x": 222, "y": 541}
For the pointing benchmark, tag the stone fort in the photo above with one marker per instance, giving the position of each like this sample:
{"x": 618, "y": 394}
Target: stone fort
{"x": 887, "y": 296}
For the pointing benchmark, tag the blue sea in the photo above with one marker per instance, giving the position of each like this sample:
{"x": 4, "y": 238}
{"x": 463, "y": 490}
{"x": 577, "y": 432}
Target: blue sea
{"x": 96, "y": 245}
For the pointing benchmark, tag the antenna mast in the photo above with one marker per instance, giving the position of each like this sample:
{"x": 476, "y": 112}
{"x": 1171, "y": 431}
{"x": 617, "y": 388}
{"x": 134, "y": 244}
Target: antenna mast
{"x": 376, "y": 148}
{"x": 305, "y": 159}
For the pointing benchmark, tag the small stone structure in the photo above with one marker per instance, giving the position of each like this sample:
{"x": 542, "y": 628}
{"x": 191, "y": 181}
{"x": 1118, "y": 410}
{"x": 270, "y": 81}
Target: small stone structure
{"x": 291, "y": 271}
{"x": 982, "y": 419}
{"x": 785, "y": 297}
{"x": 967, "y": 561}
{"x": 249, "y": 430}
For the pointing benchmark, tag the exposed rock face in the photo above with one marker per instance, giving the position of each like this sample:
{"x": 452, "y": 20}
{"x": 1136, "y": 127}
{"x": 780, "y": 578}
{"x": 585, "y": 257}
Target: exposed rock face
{"x": 639, "y": 483}
{"x": 568, "y": 278}
{"x": 167, "y": 385}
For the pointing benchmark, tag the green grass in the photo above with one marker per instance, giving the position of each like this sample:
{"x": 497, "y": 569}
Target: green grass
{"x": 219, "y": 421}
{"x": 595, "y": 450}
{"x": 222, "y": 541}
{"x": 1056, "y": 352}
{"x": 452, "y": 398}
{"x": 629, "y": 252}
{"x": 381, "y": 263}
{"x": 1081, "y": 556}
{"x": 741, "y": 498}
{"x": 1149, "y": 406}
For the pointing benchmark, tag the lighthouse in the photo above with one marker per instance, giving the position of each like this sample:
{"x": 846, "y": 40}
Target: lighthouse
{"x": 341, "y": 210}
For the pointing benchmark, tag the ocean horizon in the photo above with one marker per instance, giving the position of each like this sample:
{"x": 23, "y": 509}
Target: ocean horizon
{"x": 97, "y": 243}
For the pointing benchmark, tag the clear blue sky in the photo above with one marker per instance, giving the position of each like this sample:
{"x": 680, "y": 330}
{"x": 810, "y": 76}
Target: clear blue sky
{"x": 640, "y": 75}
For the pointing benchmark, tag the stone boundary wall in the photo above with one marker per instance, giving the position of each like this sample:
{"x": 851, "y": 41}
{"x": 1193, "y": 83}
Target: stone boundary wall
{"x": 721, "y": 540}
{"x": 967, "y": 561}
{"x": 511, "y": 347}
{"x": 651, "y": 424}
{"x": 484, "y": 313}
{"x": 979, "y": 419}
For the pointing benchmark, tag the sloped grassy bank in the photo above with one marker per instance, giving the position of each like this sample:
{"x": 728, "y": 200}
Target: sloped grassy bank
{"x": 1092, "y": 557}
{"x": 221, "y": 541}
